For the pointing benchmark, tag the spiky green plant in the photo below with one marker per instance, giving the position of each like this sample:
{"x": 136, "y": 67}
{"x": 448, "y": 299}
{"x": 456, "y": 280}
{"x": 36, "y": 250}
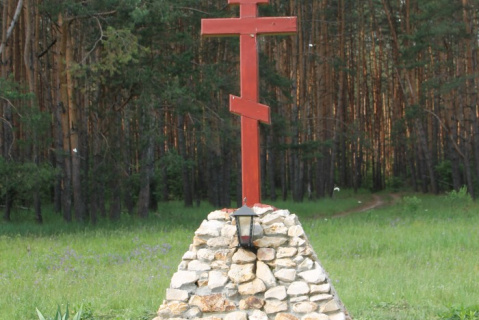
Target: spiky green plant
{"x": 59, "y": 315}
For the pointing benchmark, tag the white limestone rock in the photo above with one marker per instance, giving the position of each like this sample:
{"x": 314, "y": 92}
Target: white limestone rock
{"x": 266, "y": 254}
{"x": 284, "y": 263}
{"x": 252, "y": 288}
{"x": 231, "y": 290}
{"x": 297, "y": 242}
{"x": 203, "y": 280}
{"x": 196, "y": 265}
{"x": 251, "y": 303}
{"x": 291, "y": 220}
{"x": 274, "y": 306}
{"x": 307, "y": 264}
{"x": 272, "y": 218}
{"x": 243, "y": 256}
{"x": 228, "y": 231}
{"x": 240, "y": 273}
{"x": 237, "y": 315}
{"x": 258, "y": 315}
{"x": 223, "y": 254}
{"x": 264, "y": 273}
{"x": 212, "y": 303}
{"x": 210, "y": 228}
{"x": 295, "y": 231}
{"x": 218, "y": 242}
{"x": 285, "y": 316}
{"x": 321, "y": 288}
{"x": 269, "y": 242}
{"x": 315, "y": 316}
{"x": 329, "y": 307}
{"x": 320, "y": 297}
{"x": 176, "y": 295}
{"x": 282, "y": 212}
{"x": 183, "y": 265}
{"x": 205, "y": 255}
{"x": 219, "y": 215}
{"x": 217, "y": 279}
{"x": 262, "y": 209}
{"x": 189, "y": 255}
{"x": 286, "y": 252}
{"x": 315, "y": 275}
{"x": 299, "y": 299}
{"x": 220, "y": 265}
{"x": 198, "y": 241}
{"x": 298, "y": 288}
{"x": 337, "y": 316}
{"x": 192, "y": 313}
{"x": 182, "y": 278}
{"x": 305, "y": 251}
{"x": 286, "y": 275}
{"x": 278, "y": 293}
{"x": 172, "y": 309}
{"x": 305, "y": 307}
{"x": 276, "y": 229}
{"x": 298, "y": 259}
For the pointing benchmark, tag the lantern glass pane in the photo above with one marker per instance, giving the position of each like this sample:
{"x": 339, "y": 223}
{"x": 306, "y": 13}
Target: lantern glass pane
{"x": 244, "y": 229}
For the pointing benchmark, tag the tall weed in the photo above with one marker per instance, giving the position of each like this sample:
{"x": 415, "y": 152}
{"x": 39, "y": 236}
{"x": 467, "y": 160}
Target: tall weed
{"x": 458, "y": 199}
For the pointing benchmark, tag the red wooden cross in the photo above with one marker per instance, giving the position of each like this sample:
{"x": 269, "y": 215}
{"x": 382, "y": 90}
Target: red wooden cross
{"x": 248, "y": 26}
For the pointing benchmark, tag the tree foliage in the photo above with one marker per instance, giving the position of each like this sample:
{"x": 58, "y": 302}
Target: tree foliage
{"x": 115, "y": 105}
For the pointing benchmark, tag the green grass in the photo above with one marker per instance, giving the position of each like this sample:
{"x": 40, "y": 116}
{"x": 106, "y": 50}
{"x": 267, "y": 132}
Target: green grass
{"x": 392, "y": 263}
{"x": 401, "y": 262}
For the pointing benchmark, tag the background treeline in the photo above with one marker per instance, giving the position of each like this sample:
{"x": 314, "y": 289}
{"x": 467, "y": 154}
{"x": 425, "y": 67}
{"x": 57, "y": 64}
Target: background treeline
{"x": 116, "y": 105}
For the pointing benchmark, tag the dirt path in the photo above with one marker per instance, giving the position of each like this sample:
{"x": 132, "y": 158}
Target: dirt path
{"x": 378, "y": 201}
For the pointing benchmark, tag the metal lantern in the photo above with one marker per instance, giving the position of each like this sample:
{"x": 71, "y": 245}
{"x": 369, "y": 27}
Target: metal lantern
{"x": 244, "y": 224}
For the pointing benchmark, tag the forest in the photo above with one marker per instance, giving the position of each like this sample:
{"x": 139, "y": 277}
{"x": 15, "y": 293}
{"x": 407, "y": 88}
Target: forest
{"x": 111, "y": 106}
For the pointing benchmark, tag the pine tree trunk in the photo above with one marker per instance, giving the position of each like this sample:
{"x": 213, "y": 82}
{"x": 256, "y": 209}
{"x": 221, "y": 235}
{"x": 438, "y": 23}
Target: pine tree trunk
{"x": 6, "y": 140}
{"x": 162, "y": 153}
{"x": 127, "y": 151}
{"x": 146, "y": 164}
{"x": 62, "y": 113}
{"x": 271, "y": 165}
{"x": 188, "y": 197}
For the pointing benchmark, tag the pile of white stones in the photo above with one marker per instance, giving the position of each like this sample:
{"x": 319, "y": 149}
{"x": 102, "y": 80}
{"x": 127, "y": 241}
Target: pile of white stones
{"x": 283, "y": 280}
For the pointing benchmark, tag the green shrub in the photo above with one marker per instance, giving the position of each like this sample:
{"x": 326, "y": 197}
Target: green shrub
{"x": 459, "y": 198}
{"x": 411, "y": 204}
{"x": 461, "y": 313}
{"x": 59, "y": 315}
{"x": 395, "y": 183}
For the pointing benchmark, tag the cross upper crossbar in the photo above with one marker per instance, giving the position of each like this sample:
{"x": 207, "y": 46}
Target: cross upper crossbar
{"x": 248, "y": 26}
{"x": 252, "y": 26}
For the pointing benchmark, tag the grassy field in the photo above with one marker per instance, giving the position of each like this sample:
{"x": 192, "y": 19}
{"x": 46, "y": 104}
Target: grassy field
{"x": 414, "y": 260}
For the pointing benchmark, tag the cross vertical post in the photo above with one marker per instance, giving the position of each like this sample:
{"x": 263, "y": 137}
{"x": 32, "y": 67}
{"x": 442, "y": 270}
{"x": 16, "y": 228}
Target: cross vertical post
{"x": 248, "y": 26}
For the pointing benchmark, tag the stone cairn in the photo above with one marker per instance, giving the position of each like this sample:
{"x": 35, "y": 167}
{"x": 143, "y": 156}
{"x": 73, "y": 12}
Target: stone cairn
{"x": 283, "y": 280}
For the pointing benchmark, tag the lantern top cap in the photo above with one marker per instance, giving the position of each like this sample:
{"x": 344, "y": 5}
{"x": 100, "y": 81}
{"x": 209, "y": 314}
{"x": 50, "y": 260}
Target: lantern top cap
{"x": 244, "y": 211}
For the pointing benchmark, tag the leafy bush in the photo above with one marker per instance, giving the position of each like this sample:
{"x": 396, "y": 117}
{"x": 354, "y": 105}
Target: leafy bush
{"x": 444, "y": 172}
{"x": 22, "y": 178}
{"x": 461, "y": 313}
{"x": 59, "y": 315}
{"x": 411, "y": 204}
{"x": 395, "y": 183}
{"x": 458, "y": 198}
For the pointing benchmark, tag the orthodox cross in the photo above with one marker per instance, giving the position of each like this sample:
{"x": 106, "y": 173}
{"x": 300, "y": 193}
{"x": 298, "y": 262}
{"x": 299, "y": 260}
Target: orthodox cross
{"x": 248, "y": 26}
